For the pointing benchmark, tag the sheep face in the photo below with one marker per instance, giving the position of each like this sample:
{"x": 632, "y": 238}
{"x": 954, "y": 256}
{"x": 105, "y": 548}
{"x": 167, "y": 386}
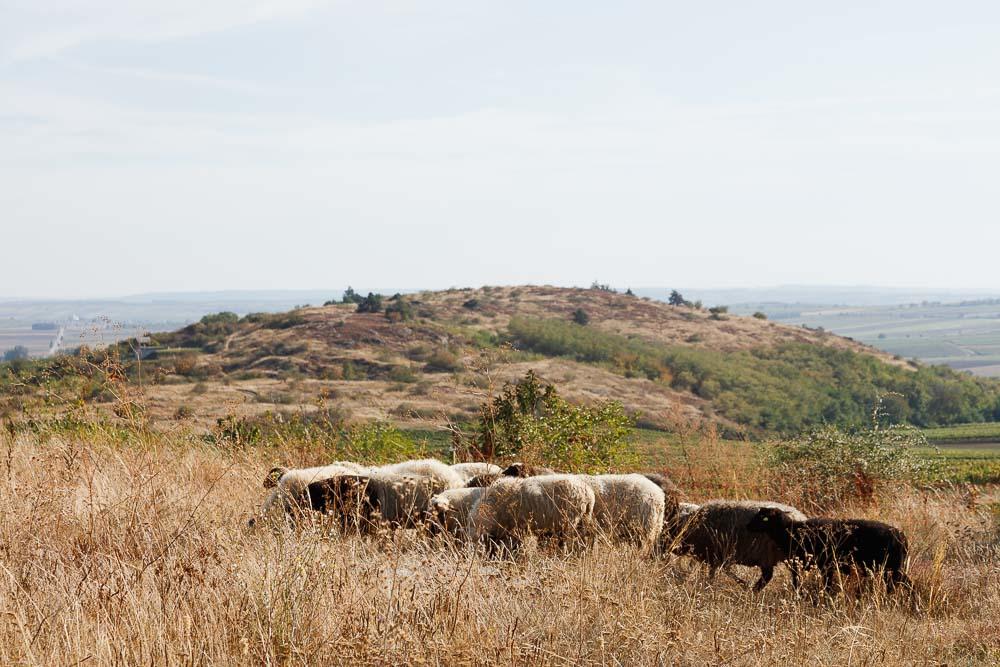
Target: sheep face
{"x": 347, "y": 497}
{"x": 769, "y": 520}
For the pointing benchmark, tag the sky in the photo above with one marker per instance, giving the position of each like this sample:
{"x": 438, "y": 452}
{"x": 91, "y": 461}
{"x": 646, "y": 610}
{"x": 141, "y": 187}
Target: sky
{"x": 282, "y": 144}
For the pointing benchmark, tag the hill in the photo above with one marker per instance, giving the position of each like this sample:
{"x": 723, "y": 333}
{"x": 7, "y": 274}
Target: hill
{"x": 432, "y": 356}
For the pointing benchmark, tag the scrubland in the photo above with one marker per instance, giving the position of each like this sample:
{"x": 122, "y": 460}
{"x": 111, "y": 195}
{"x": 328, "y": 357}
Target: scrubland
{"x": 132, "y": 547}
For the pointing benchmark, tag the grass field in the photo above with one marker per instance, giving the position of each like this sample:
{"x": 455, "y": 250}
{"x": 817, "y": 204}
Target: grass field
{"x": 132, "y": 549}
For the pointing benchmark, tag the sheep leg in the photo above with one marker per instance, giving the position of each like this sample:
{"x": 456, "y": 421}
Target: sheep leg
{"x": 794, "y": 569}
{"x": 765, "y": 576}
{"x": 737, "y": 578}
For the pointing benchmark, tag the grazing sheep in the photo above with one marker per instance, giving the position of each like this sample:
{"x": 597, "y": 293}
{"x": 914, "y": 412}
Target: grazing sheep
{"x": 469, "y": 471}
{"x": 672, "y": 494}
{"x": 289, "y": 488}
{"x": 365, "y": 501}
{"x": 717, "y": 534}
{"x": 837, "y": 545}
{"x": 450, "y": 510}
{"x": 628, "y": 508}
{"x": 526, "y": 470}
{"x": 433, "y": 468}
{"x": 482, "y": 480}
{"x": 559, "y": 507}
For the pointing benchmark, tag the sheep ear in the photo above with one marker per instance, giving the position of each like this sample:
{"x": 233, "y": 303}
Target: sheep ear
{"x": 273, "y": 476}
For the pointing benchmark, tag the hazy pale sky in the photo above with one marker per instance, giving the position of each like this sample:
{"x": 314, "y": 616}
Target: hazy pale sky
{"x": 224, "y": 144}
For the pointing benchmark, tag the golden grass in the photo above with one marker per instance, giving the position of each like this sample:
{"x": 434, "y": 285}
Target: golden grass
{"x": 116, "y": 553}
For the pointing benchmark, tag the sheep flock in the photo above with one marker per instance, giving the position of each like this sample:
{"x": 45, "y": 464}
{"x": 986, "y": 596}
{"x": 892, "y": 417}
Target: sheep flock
{"x": 480, "y": 505}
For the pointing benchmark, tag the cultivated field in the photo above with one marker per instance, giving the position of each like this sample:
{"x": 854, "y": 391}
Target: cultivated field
{"x": 131, "y": 548}
{"x": 961, "y": 335}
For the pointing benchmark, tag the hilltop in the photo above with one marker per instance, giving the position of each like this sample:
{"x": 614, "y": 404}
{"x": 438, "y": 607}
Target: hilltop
{"x": 429, "y": 357}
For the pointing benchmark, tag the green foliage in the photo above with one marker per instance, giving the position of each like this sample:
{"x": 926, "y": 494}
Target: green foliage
{"x": 16, "y": 353}
{"x": 581, "y": 317}
{"x": 835, "y": 464}
{"x": 718, "y": 311}
{"x": 223, "y": 318}
{"x": 443, "y": 361}
{"x": 350, "y": 296}
{"x": 602, "y": 287}
{"x": 786, "y": 388}
{"x": 370, "y": 304}
{"x": 471, "y": 304}
{"x": 677, "y": 299}
{"x": 760, "y": 315}
{"x": 380, "y": 441}
{"x": 530, "y": 421}
{"x": 398, "y": 310}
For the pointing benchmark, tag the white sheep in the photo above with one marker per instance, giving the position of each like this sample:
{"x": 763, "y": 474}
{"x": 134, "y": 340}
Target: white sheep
{"x": 289, "y": 488}
{"x": 442, "y": 472}
{"x": 716, "y": 533}
{"x": 559, "y": 507}
{"x": 628, "y": 508}
{"x": 450, "y": 510}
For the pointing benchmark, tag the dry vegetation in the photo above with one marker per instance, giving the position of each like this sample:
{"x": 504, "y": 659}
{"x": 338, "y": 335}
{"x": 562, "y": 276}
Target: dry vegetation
{"x": 377, "y": 368}
{"x": 132, "y": 549}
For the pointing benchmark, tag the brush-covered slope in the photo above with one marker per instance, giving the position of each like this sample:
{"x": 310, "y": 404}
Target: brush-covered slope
{"x": 427, "y": 357}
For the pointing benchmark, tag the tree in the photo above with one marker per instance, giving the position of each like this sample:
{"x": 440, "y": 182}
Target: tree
{"x": 16, "y": 353}
{"x": 676, "y": 299}
{"x": 629, "y": 292}
{"x": 370, "y": 304}
{"x": 350, "y": 296}
{"x": 760, "y": 315}
{"x": 581, "y": 317}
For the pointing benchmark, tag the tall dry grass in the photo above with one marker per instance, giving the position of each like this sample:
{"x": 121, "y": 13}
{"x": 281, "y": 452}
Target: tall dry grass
{"x": 115, "y": 553}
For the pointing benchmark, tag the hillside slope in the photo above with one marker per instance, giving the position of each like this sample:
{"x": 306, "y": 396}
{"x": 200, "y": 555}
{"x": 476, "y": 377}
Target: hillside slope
{"x": 433, "y": 356}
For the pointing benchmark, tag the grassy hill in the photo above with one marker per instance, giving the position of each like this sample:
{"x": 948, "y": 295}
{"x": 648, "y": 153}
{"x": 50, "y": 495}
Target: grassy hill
{"x": 430, "y": 357}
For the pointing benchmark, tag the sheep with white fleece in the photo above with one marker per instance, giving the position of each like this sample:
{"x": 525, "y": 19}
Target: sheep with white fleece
{"x": 559, "y": 507}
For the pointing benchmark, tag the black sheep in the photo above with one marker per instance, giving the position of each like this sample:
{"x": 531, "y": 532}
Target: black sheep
{"x": 835, "y": 545}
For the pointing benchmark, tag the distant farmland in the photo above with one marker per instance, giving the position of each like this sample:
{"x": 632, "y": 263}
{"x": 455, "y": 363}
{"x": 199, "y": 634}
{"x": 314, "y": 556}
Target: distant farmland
{"x": 964, "y": 335}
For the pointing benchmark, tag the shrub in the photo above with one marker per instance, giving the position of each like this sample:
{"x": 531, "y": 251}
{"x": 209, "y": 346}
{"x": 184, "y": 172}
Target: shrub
{"x": 529, "y": 420}
{"x": 834, "y": 464}
{"x": 16, "y": 353}
{"x": 581, "y": 317}
{"x": 380, "y": 441}
{"x": 350, "y": 296}
{"x": 403, "y": 374}
{"x": 443, "y": 361}
{"x": 370, "y": 304}
{"x": 398, "y": 310}
{"x": 471, "y": 304}
{"x": 718, "y": 311}
{"x": 225, "y": 317}
{"x": 760, "y": 315}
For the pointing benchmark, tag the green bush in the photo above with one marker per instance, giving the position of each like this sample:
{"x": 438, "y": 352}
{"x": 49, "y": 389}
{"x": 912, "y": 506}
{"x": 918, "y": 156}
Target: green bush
{"x": 833, "y": 464}
{"x": 398, "y": 310}
{"x": 370, "y": 304}
{"x": 581, "y": 317}
{"x": 443, "y": 361}
{"x": 530, "y": 421}
{"x": 786, "y": 388}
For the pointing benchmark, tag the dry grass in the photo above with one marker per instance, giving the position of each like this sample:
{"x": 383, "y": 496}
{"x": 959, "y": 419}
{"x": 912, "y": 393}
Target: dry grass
{"x": 117, "y": 553}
